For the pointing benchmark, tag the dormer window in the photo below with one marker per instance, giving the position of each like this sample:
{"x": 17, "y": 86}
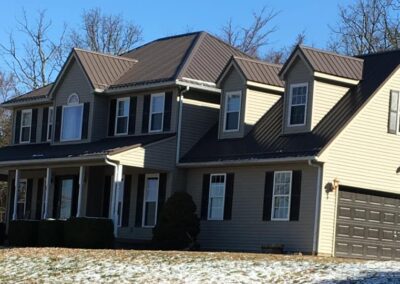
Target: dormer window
{"x": 71, "y": 124}
{"x": 122, "y": 116}
{"x": 298, "y": 104}
{"x": 232, "y": 111}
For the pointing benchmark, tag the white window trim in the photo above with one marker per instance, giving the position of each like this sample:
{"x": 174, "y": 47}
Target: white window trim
{"x": 62, "y": 123}
{"x": 117, "y": 116}
{"x": 23, "y": 180}
{"x": 151, "y": 112}
{"x": 21, "y": 126}
{"x": 209, "y": 198}
{"x": 292, "y": 86}
{"x": 398, "y": 112}
{"x": 147, "y": 176}
{"x": 50, "y": 121}
{"x": 273, "y": 197}
{"x": 227, "y": 95}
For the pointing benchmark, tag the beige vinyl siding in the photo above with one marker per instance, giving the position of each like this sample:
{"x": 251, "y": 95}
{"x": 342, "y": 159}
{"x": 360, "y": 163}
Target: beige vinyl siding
{"x": 363, "y": 155}
{"x": 197, "y": 118}
{"x": 246, "y": 230}
{"x": 257, "y": 104}
{"x": 75, "y": 81}
{"x": 234, "y": 81}
{"x": 300, "y": 72}
{"x": 326, "y": 95}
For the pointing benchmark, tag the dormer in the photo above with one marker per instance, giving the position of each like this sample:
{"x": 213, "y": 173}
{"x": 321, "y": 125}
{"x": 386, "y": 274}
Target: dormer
{"x": 315, "y": 80}
{"x": 249, "y": 89}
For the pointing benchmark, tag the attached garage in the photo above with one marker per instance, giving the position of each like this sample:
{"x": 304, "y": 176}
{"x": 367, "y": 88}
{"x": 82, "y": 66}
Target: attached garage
{"x": 368, "y": 224}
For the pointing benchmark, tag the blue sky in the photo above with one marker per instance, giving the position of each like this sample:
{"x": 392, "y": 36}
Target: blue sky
{"x": 163, "y": 18}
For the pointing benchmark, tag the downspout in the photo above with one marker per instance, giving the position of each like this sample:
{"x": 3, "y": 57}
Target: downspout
{"x": 317, "y": 203}
{"x": 114, "y": 189}
{"x": 178, "y": 142}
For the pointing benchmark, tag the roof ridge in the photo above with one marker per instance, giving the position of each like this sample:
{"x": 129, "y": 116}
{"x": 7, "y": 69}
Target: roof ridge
{"x": 257, "y": 61}
{"x": 227, "y": 44}
{"x": 194, "y": 46}
{"x": 378, "y": 52}
{"x": 106, "y": 55}
{"x": 329, "y": 52}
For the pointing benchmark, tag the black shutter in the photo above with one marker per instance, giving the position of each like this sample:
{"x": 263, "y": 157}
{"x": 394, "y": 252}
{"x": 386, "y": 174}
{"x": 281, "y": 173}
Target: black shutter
{"x": 146, "y": 113}
{"x": 106, "y": 196}
{"x": 111, "y": 119}
{"x": 57, "y": 127}
{"x": 45, "y": 120}
{"x": 85, "y": 120}
{"x": 230, "y": 177}
{"x": 132, "y": 115}
{"x": 56, "y": 199}
{"x": 139, "y": 201}
{"x": 167, "y": 111}
{"x": 12, "y": 195}
{"x": 204, "y": 196}
{"x": 17, "y": 131}
{"x": 34, "y": 125}
{"x": 268, "y": 188}
{"x": 126, "y": 200}
{"x": 28, "y": 204}
{"x": 295, "y": 196}
{"x": 162, "y": 192}
{"x": 39, "y": 199}
{"x": 75, "y": 195}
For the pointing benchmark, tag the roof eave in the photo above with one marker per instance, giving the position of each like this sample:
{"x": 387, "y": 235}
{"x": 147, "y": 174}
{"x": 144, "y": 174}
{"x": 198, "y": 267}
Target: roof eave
{"x": 278, "y": 89}
{"x": 25, "y": 103}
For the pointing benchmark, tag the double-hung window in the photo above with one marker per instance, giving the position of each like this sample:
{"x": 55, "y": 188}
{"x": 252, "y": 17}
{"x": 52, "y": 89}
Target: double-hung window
{"x": 216, "y": 198}
{"x": 394, "y": 110}
{"x": 71, "y": 125}
{"x": 150, "y": 202}
{"x": 50, "y": 123}
{"x": 281, "y": 195}
{"x": 122, "y": 116}
{"x": 21, "y": 198}
{"x": 26, "y": 125}
{"x": 298, "y": 104}
{"x": 157, "y": 112}
{"x": 232, "y": 111}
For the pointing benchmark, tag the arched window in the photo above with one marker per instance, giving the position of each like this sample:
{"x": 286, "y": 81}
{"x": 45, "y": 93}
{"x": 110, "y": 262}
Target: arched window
{"x": 71, "y": 124}
{"x": 73, "y": 99}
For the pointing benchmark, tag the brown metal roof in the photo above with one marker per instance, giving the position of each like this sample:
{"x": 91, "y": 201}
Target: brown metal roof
{"x": 260, "y": 71}
{"x": 103, "y": 69}
{"x": 39, "y": 93}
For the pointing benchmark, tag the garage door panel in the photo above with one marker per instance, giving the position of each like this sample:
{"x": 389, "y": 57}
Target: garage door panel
{"x": 368, "y": 224}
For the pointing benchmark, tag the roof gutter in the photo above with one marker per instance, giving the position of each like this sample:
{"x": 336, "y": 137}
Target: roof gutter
{"x": 25, "y": 103}
{"x": 244, "y": 162}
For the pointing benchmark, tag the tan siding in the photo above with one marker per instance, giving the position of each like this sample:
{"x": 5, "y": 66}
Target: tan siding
{"x": 362, "y": 156}
{"x": 298, "y": 73}
{"x": 246, "y": 230}
{"x": 325, "y": 97}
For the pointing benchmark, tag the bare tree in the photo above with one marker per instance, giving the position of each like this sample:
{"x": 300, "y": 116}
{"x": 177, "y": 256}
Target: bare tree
{"x": 8, "y": 89}
{"x": 281, "y": 55}
{"x": 252, "y": 38}
{"x": 366, "y": 26}
{"x": 105, "y": 33}
{"x": 35, "y": 62}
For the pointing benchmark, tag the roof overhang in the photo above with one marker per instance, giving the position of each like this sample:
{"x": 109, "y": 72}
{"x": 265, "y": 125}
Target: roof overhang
{"x": 265, "y": 86}
{"x": 26, "y": 103}
{"x": 329, "y": 77}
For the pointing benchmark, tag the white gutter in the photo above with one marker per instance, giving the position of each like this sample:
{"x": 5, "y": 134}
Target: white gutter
{"x": 117, "y": 175}
{"x": 178, "y": 142}
{"x": 245, "y": 162}
{"x": 317, "y": 203}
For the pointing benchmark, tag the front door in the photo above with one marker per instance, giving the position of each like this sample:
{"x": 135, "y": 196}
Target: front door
{"x": 65, "y": 197}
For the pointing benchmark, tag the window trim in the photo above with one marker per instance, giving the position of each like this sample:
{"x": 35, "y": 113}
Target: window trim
{"x": 209, "y": 198}
{"x": 49, "y": 122}
{"x": 227, "y": 95}
{"x": 292, "y": 86}
{"x": 397, "y": 130}
{"x": 62, "y": 123}
{"x": 21, "y": 126}
{"x": 151, "y": 112}
{"x": 148, "y": 176}
{"x": 117, "y": 116}
{"x": 273, "y": 197}
{"x": 23, "y": 180}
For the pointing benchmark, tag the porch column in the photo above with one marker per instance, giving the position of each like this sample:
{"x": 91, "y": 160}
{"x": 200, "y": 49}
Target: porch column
{"x": 116, "y": 188}
{"x": 47, "y": 190}
{"x": 17, "y": 176}
{"x": 80, "y": 192}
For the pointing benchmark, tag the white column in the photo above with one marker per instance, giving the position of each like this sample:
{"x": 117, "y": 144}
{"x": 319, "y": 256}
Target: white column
{"x": 17, "y": 176}
{"x": 114, "y": 198}
{"x": 47, "y": 190}
{"x": 80, "y": 192}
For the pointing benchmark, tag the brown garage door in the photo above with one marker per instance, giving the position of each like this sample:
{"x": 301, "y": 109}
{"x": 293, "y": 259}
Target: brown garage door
{"x": 368, "y": 224}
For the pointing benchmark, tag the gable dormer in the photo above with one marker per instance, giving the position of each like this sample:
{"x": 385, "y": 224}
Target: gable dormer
{"x": 315, "y": 81}
{"x": 249, "y": 88}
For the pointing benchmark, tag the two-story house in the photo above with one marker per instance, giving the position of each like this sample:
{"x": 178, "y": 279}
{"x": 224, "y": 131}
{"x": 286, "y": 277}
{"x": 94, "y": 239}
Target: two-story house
{"x": 298, "y": 155}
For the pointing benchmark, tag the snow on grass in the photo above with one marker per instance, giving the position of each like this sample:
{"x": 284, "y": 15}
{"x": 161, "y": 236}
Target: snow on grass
{"x": 56, "y": 265}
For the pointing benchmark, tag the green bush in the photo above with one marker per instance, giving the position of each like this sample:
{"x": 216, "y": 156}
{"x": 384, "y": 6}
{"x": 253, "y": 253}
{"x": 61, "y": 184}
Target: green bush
{"x": 178, "y": 224}
{"x": 51, "y": 233}
{"x": 2, "y": 233}
{"x": 23, "y": 233}
{"x": 89, "y": 233}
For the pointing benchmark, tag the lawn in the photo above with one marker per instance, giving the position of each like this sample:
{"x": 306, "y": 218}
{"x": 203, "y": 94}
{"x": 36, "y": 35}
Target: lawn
{"x": 54, "y": 265}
